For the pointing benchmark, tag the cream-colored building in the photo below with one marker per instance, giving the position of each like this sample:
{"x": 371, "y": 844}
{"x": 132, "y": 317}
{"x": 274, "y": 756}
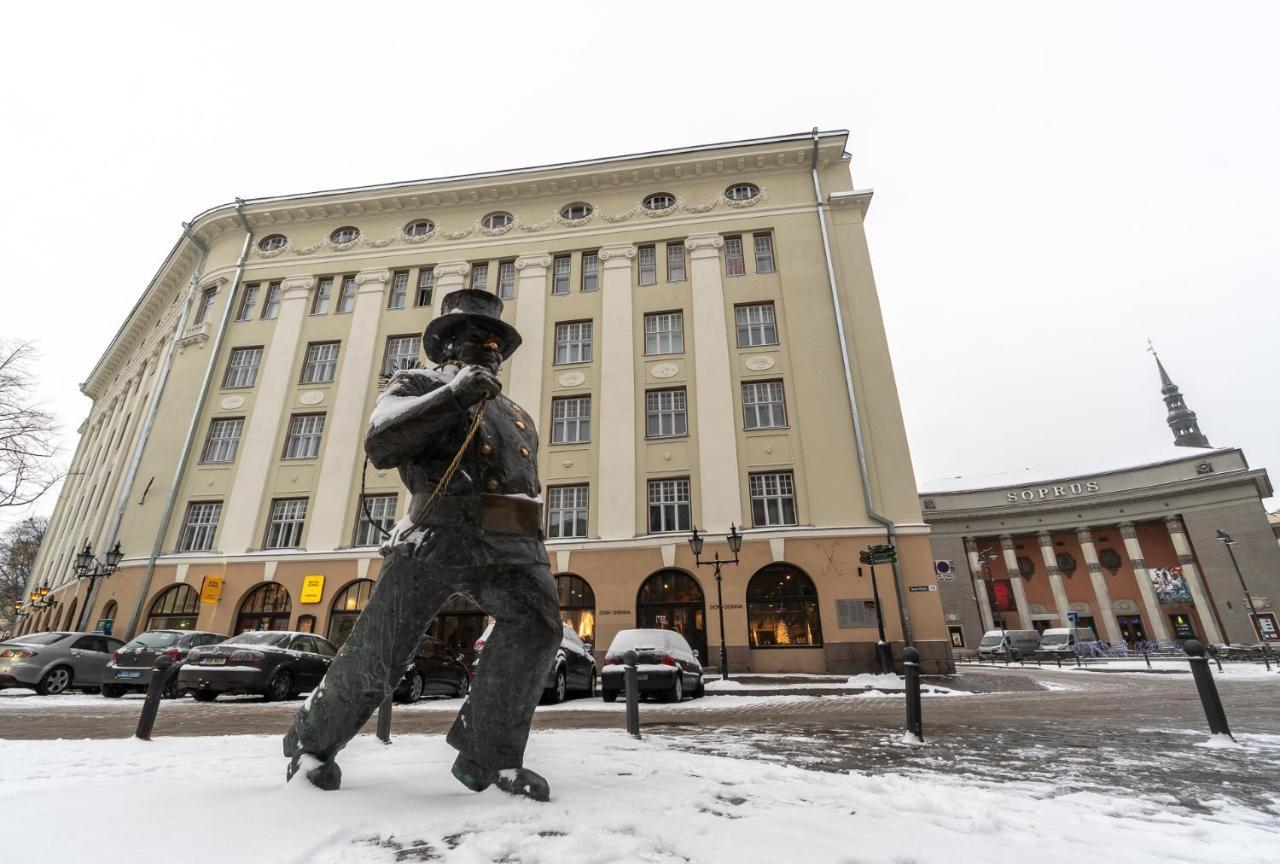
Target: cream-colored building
{"x": 681, "y": 355}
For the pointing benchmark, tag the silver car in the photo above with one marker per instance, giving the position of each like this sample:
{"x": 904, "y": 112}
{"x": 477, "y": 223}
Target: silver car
{"x": 52, "y": 663}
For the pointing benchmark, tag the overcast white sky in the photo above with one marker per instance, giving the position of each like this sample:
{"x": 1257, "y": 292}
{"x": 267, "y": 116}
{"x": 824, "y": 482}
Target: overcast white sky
{"x": 1053, "y": 184}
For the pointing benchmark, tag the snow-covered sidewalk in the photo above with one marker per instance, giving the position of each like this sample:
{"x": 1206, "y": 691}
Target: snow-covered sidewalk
{"x": 614, "y": 800}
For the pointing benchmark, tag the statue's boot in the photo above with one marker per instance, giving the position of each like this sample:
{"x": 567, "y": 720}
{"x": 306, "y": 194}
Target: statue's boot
{"x": 323, "y": 774}
{"x": 522, "y": 781}
{"x": 472, "y": 774}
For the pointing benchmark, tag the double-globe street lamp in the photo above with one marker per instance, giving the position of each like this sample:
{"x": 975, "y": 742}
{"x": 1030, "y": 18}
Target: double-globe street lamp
{"x": 1226, "y": 540}
{"x": 89, "y": 567}
{"x": 735, "y": 544}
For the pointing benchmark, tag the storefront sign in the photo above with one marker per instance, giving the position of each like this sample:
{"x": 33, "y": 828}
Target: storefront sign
{"x": 1041, "y": 493}
{"x": 603, "y": 612}
{"x": 727, "y": 605}
{"x": 1265, "y": 625}
{"x": 312, "y": 589}
{"x": 1182, "y": 629}
{"x": 1170, "y": 585}
{"x": 211, "y": 590}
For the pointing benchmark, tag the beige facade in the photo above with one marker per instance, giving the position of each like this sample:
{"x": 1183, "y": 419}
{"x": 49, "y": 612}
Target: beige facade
{"x": 723, "y": 240}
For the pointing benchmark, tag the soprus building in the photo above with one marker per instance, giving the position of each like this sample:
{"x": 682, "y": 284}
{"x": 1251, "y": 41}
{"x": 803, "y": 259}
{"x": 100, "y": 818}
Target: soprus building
{"x": 682, "y": 358}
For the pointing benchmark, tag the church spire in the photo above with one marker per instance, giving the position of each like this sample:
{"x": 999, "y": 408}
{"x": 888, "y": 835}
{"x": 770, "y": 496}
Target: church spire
{"x": 1181, "y": 419}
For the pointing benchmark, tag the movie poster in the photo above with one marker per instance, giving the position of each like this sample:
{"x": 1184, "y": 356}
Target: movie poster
{"x": 1170, "y": 585}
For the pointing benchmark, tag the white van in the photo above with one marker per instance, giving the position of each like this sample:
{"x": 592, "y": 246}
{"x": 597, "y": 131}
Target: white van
{"x": 1061, "y": 640}
{"x": 1015, "y": 643}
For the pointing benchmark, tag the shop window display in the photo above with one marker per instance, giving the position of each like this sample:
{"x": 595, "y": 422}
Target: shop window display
{"x": 782, "y": 609}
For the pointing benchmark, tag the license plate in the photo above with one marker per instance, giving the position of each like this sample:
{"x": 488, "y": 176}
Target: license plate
{"x": 642, "y": 676}
{"x": 214, "y": 661}
{"x": 128, "y": 673}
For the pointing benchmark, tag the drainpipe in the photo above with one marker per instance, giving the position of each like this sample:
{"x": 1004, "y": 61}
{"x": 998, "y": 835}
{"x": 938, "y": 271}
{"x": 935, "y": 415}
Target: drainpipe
{"x": 153, "y": 407}
{"x": 145, "y": 588}
{"x": 875, "y": 516}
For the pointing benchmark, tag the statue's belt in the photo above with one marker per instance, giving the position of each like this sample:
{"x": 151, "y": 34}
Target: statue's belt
{"x": 499, "y": 514}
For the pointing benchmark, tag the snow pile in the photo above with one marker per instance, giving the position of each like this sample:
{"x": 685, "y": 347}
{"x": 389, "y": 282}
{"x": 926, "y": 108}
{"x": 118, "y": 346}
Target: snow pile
{"x": 614, "y": 800}
{"x": 1234, "y": 670}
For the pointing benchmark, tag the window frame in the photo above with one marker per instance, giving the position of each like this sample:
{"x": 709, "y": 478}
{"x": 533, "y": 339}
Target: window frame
{"x": 398, "y": 293}
{"x": 338, "y": 236}
{"x": 308, "y": 362}
{"x": 766, "y": 496}
{"x": 209, "y": 441}
{"x": 204, "y": 530}
{"x": 769, "y": 255}
{"x": 585, "y": 347}
{"x": 561, "y": 274}
{"x": 672, "y": 246}
{"x": 575, "y": 210}
{"x": 671, "y": 334}
{"x": 385, "y": 521}
{"x": 346, "y": 295}
{"x": 478, "y": 278}
{"x": 414, "y": 340}
{"x": 248, "y": 299}
{"x": 658, "y": 483}
{"x": 574, "y": 513}
{"x": 755, "y": 407}
{"x": 312, "y": 439}
{"x": 678, "y": 415}
{"x": 590, "y": 271}
{"x": 207, "y": 298}
{"x": 323, "y": 295}
{"x": 427, "y": 274}
{"x": 507, "y": 279}
{"x": 735, "y": 261}
{"x": 410, "y": 228}
{"x": 579, "y": 422}
{"x": 300, "y": 522}
{"x": 647, "y": 264}
{"x": 497, "y": 220}
{"x": 271, "y": 303}
{"x": 739, "y": 326}
{"x": 253, "y": 375}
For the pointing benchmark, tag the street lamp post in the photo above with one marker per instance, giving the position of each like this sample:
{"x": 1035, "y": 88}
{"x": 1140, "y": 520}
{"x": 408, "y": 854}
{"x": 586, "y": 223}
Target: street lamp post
{"x": 735, "y": 544}
{"x": 89, "y": 567}
{"x": 1225, "y": 539}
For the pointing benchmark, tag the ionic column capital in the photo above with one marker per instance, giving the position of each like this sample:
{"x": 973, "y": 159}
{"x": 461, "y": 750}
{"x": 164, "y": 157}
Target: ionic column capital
{"x": 533, "y": 262}
{"x": 296, "y": 286}
{"x": 703, "y": 245}
{"x": 451, "y": 268}
{"x": 1084, "y": 535}
{"x": 1174, "y": 524}
{"x": 1045, "y": 538}
{"x": 971, "y": 545}
{"x": 1128, "y": 531}
{"x": 372, "y": 281}
{"x": 618, "y": 255}
{"x": 1006, "y": 542}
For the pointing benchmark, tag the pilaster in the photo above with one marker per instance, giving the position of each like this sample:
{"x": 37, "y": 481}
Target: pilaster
{"x": 1150, "y": 603}
{"x": 1060, "y": 603}
{"x": 531, "y": 321}
{"x": 1110, "y": 627}
{"x": 1015, "y": 582}
{"x": 616, "y": 513}
{"x": 1178, "y": 534}
{"x": 979, "y": 584}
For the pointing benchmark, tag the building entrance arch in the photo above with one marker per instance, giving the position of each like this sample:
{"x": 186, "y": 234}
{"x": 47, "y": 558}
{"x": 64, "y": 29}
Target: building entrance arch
{"x": 266, "y": 607}
{"x": 673, "y": 600}
{"x": 175, "y": 608}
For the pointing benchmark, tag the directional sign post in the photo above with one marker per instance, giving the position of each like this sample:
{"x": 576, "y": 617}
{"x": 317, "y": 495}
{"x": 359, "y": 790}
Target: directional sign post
{"x": 873, "y": 555}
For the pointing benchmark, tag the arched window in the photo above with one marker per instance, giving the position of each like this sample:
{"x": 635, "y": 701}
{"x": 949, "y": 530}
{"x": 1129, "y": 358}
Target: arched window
{"x": 70, "y": 620}
{"x": 782, "y": 608}
{"x": 177, "y": 608}
{"x": 109, "y": 613}
{"x": 272, "y": 242}
{"x": 494, "y": 221}
{"x": 345, "y": 234}
{"x": 672, "y": 600}
{"x": 660, "y": 201}
{"x": 577, "y": 605}
{"x": 742, "y": 192}
{"x": 266, "y": 607}
{"x": 419, "y": 228}
{"x": 576, "y": 210}
{"x": 347, "y": 606}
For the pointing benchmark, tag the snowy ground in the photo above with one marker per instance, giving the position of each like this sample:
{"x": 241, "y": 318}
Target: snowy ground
{"x": 223, "y": 799}
{"x": 1234, "y": 670}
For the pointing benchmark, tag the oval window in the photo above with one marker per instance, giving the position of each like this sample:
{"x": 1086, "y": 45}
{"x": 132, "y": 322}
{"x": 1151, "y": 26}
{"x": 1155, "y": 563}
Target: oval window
{"x": 345, "y": 234}
{"x": 576, "y": 210}
{"x": 496, "y": 220}
{"x": 419, "y": 228}
{"x": 660, "y": 201}
{"x": 742, "y": 192}
{"x": 272, "y": 242}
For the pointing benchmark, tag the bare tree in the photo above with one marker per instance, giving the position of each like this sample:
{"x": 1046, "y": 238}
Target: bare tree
{"x": 18, "y": 547}
{"x": 28, "y": 433}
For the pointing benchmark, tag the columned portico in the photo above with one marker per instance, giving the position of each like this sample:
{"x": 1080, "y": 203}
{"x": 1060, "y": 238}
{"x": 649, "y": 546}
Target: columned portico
{"x": 1060, "y": 604}
{"x": 1015, "y": 581}
{"x": 1178, "y": 534}
{"x": 1150, "y": 604}
{"x": 617, "y": 499}
{"x": 979, "y": 585}
{"x": 1110, "y": 627}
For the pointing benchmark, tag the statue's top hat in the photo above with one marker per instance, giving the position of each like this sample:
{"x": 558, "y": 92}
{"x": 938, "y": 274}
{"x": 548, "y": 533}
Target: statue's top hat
{"x": 465, "y": 308}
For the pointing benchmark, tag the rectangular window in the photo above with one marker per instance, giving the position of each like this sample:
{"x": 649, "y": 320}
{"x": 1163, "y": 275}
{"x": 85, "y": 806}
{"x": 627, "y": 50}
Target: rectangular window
{"x": 347, "y": 296}
{"x": 200, "y": 526}
{"x": 675, "y": 262}
{"x": 573, "y": 342}
{"x": 284, "y": 530}
{"x": 402, "y": 353}
{"x": 247, "y": 301}
{"x": 223, "y": 440}
{"x": 506, "y": 279}
{"x": 764, "y": 252}
{"x": 426, "y": 282}
{"x": 561, "y": 268}
{"x": 756, "y": 325}
{"x": 399, "y": 289}
{"x": 665, "y": 413}
{"x": 206, "y": 303}
{"x": 242, "y": 367}
{"x": 668, "y": 506}
{"x": 271, "y": 308}
{"x": 571, "y": 420}
{"x": 303, "y": 441}
{"x": 647, "y": 259}
{"x": 324, "y": 291}
{"x": 773, "y": 498}
{"x": 376, "y": 511}
{"x": 321, "y": 363}
{"x": 664, "y": 333}
{"x": 590, "y": 271}
{"x": 567, "y": 511}
{"x": 734, "y": 263}
{"x": 480, "y": 276}
{"x": 762, "y": 405}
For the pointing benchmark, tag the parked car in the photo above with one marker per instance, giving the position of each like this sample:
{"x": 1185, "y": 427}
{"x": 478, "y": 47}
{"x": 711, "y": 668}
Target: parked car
{"x": 279, "y": 664}
{"x": 1014, "y": 643}
{"x": 572, "y": 670}
{"x": 57, "y": 661}
{"x": 1063, "y": 640}
{"x": 129, "y": 669}
{"x": 665, "y": 664}
{"x": 434, "y": 671}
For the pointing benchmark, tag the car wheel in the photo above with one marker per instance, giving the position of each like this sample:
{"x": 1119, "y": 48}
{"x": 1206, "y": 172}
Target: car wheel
{"x": 55, "y": 681}
{"x": 112, "y": 692}
{"x": 701, "y": 689}
{"x": 280, "y": 687}
{"x": 676, "y": 693}
{"x": 204, "y": 695}
{"x": 555, "y": 694}
{"x": 416, "y": 686}
{"x": 464, "y": 686}
{"x": 609, "y": 695}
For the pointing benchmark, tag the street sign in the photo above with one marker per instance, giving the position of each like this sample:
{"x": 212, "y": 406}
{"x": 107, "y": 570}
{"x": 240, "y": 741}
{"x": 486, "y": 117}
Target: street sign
{"x": 922, "y": 587}
{"x": 1074, "y": 618}
{"x": 945, "y": 570}
{"x": 881, "y": 553}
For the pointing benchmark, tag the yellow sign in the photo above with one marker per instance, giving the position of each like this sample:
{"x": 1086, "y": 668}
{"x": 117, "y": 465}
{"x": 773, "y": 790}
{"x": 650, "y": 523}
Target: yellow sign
{"x": 211, "y": 590}
{"x": 312, "y": 589}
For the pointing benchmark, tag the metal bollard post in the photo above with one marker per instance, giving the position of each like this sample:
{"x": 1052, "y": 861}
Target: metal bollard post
{"x": 162, "y": 672}
{"x": 1058, "y": 657}
{"x": 1208, "y": 690}
{"x": 1145, "y": 655}
{"x": 633, "y": 694}
{"x": 384, "y": 721}
{"x": 911, "y": 668}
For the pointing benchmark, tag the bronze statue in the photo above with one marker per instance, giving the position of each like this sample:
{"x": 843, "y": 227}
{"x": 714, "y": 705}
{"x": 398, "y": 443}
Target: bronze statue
{"x": 468, "y": 455}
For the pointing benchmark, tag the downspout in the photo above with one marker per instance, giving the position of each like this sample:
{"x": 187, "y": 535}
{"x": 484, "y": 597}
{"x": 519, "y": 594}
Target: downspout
{"x": 153, "y": 407}
{"x": 180, "y": 469}
{"x": 875, "y": 516}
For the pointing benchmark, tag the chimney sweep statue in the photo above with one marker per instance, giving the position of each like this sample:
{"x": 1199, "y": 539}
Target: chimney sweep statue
{"x": 468, "y": 455}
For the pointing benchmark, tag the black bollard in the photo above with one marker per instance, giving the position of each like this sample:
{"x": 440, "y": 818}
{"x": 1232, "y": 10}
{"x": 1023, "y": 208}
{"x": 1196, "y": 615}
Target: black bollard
{"x": 162, "y": 672}
{"x": 911, "y": 668}
{"x": 1208, "y": 689}
{"x": 633, "y": 694}
{"x": 384, "y": 721}
{"x": 1145, "y": 655}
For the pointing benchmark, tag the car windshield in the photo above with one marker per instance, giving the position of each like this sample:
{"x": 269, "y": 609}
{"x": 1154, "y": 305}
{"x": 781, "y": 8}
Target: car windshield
{"x": 154, "y": 639}
{"x": 990, "y": 641}
{"x": 259, "y": 637}
{"x": 1055, "y": 639}
{"x": 41, "y": 639}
